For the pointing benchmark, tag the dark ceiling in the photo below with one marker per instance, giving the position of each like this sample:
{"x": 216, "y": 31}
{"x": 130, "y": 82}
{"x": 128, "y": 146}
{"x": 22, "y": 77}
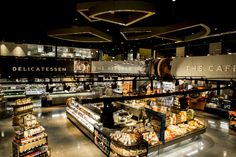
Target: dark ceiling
{"x": 30, "y": 21}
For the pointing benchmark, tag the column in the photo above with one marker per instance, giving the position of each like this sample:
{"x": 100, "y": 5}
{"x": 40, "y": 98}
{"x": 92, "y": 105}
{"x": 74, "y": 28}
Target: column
{"x": 180, "y": 51}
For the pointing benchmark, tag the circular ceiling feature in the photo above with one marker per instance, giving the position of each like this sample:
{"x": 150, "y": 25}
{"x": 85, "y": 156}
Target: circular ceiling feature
{"x": 122, "y": 13}
{"x": 178, "y": 32}
{"x": 80, "y": 34}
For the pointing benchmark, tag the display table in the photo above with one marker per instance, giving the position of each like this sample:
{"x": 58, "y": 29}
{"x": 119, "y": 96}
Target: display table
{"x": 89, "y": 123}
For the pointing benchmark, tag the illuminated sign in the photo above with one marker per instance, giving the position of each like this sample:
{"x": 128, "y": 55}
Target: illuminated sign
{"x": 221, "y": 66}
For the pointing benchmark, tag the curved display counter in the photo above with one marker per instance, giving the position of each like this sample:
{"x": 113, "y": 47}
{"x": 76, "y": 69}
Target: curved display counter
{"x": 158, "y": 133}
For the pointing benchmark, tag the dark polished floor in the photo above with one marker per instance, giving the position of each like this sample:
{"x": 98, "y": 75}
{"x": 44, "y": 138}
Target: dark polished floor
{"x": 65, "y": 140}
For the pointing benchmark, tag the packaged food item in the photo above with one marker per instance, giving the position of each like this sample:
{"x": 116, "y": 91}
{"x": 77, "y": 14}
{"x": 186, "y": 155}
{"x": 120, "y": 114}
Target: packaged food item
{"x": 190, "y": 114}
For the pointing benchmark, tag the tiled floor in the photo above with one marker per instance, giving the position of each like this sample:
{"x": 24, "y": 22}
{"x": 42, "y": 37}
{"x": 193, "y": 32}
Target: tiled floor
{"x": 65, "y": 140}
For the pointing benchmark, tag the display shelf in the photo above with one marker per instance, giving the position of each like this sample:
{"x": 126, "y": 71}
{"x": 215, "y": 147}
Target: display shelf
{"x": 162, "y": 117}
{"x": 38, "y": 154}
{"x": 30, "y": 152}
{"x": 23, "y": 112}
{"x": 14, "y": 96}
{"x": 134, "y": 145}
{"x": 93, "y": 114}
{"x": 128, "y": 152}
{"x": 192, "y": 134}
{"x": 24, "y": 134}
{"x": 30, "y": 139}
{"x": 21, "y": 105}
{"x": 94, "y": 108}
{"x": 114, "y": 154}
{"x": 81, "y": 126}
{"x": 37, "y": 137}
{"x": 99, "y": 144}
{"x": 102, "y": 140}
{"x": 138, "y": 97}
{"x": 160, "y": 130}
{"x": 81, "y": 119}
{"x": 29, "y": 146}
{"x": 84, "y": 115}
{"x": 101, "y": 137}
{"x": 25, "y": 128}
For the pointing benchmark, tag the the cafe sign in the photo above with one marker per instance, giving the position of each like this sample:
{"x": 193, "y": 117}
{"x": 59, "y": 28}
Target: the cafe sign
{"x": 221, "y": 66}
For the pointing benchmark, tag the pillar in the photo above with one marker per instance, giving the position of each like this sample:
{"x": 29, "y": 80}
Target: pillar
{"x": 180, "y": 51}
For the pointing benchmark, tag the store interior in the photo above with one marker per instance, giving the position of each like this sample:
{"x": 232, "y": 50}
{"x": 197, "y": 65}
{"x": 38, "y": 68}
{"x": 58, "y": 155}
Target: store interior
{"x": 128, "y": 78}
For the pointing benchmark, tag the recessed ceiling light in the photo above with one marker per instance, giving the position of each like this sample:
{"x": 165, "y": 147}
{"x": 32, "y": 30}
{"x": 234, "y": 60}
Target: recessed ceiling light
{"x": 173, "y": 0}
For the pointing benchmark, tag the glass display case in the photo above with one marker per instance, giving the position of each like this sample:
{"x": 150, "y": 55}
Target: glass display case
{"x": 139, "y": 128}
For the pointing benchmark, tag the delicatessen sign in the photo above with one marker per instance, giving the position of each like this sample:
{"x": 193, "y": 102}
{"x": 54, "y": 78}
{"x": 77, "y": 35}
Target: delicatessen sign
{"x": 222, "y": 66}
{"x": 39, "y": 69}
{"x": 35, "y": 67}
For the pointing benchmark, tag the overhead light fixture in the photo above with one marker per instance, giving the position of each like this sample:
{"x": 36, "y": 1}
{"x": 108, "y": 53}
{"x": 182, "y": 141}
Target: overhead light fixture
{"x": 122, "y": 13}
{"x": 80, "y": 34}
